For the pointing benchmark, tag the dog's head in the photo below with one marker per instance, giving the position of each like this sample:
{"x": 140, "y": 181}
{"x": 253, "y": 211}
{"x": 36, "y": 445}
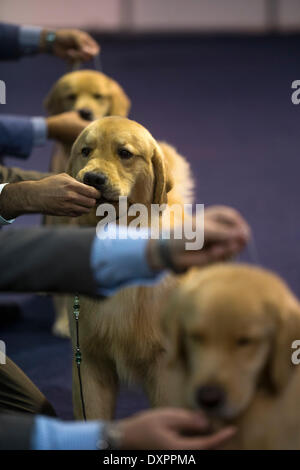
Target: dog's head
{"x": 120, "y": 158}
{"x": 92, "y": 93}
{"x": 230, "y": 327}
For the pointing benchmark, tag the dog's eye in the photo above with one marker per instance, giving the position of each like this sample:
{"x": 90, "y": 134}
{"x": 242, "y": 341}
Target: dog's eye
{"x": 71, "y": 97}
{"x": 85, "y": 151}
{"x": 244, "y": 341}
{"x": 98, "y": 96}
{"x": 123, "y": 153}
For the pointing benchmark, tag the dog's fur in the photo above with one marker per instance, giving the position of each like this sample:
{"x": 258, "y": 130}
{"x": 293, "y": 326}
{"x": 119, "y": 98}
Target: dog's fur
{"x": 86, "y": 90}
{"x": 232, "y": 327}
{"x": 94, "y": 93}
{"x": 119, "y": 337}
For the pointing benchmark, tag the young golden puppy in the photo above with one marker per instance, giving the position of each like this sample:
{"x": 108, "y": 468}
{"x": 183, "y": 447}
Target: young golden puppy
{"x": 89, "y": 92}
{"x": 120, "y": 337}
{"x": 228, "y": 333}
{"x": 94, "y": 95}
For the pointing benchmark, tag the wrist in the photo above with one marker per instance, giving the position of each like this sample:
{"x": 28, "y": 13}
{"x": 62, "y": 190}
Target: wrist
{"x": 47, "y": 40}
{"x": 17, "y": 199}
{"x": 160, "y": 255}
{"x": 152, "y": 254}
{"x": 51, "y": 127}
{"x": 111, "y": 436}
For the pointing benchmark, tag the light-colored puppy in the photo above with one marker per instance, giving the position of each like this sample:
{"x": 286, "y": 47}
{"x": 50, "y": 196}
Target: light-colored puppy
{"x": 120, "y": 337}
{"x": 94, "y": 95}
{"x": 229, "y": 331}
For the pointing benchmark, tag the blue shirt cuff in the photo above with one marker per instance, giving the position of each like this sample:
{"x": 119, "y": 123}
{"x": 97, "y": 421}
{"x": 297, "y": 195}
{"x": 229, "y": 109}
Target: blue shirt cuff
{"x": 118, "y": 259}
{"x": 53, "y": 434}
{"x": 40, "y": 131}
{"x": 29, "y": 39}
{"x": 2, "y": 220}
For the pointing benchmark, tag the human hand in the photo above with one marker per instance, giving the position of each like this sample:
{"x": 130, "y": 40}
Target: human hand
{"x": 66, "y": 126}
{"x": 225, "y": 234}
{"x": 59, "y": 195}
{"x": 170, "y": 429}
{"x": 71, "y": 45}
{"x": 223, "y": 223}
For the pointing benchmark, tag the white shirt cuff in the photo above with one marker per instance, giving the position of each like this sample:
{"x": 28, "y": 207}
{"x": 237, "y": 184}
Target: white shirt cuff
{"x": 40, "y": 131}
{"x": 118, "y": 259}
{"x": 2, "y": 220}
{"x": 53, "y": 434}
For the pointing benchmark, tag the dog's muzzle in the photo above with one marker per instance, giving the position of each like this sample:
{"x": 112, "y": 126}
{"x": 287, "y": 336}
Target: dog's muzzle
{"x": 97, "y": 180}
{"x": 86, "y": 114}
{"x": 210, "y": 397}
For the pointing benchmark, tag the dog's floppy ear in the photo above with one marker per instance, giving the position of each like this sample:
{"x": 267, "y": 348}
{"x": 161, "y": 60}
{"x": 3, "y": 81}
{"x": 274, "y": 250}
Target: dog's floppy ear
{"x": 162, "y": 178}
{"x": 52, "y": 102}
{"x": 120, "y": 103}
{"x": 172, "y": 334}
{"x": 287, "y": 330}
{"x": 73, "y": 165}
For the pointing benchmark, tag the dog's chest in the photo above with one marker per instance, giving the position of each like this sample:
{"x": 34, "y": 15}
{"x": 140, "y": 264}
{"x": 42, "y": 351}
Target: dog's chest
{"x": 127, "y": 324}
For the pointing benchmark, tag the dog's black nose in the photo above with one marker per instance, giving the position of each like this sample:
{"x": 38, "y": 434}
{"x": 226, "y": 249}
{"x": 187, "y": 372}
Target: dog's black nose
{"x": 86, "y": 114}
{"x": 210, "y": 397}
{"x": 94, "y": 179}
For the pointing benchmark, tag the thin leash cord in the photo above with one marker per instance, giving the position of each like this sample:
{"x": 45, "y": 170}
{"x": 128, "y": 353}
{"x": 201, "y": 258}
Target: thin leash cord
{"x": 98, "y": 63}
{"x": 252, "y": 250}
{"x": 76, "y": 306}
{"x": 78, "y": 355}
{"x": 72, "y": 67}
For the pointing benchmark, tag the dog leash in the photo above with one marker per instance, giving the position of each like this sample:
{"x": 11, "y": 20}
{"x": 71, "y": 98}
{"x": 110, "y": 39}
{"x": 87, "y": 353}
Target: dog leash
{"x": 78, "y": 355}
{"x": 252, "y": 251}
{"x": 97, "y": 62}
{"x": 76, "y": 306}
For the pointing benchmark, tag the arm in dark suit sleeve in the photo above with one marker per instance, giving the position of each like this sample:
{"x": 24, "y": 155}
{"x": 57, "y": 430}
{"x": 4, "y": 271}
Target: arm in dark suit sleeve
{"x": 9, "y": 42}
{"x": 16, "y": 136}
{"x": 16, "y": 431}
{"x": 16, "y": 41}
{"x": 50, "y": 260}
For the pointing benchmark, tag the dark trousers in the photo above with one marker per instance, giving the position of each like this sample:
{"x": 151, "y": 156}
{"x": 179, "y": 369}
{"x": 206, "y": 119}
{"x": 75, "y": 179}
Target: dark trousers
{"x": 18, "y": 394}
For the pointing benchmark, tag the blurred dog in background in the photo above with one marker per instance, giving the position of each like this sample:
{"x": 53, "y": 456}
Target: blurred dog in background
{"x": 91, "y": 93}
{"x": 228, "y": 332}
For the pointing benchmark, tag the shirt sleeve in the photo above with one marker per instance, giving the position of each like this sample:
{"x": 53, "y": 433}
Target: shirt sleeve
{"x": 18, "y": 135}
{"x": 2, "y": 220}
{"x": 29, "y": 39}
{"x": 40, "y": 131}
{"x": 53, "y": 434}
{"x": 9, "y": 41}
{"x": 118, "y": 259}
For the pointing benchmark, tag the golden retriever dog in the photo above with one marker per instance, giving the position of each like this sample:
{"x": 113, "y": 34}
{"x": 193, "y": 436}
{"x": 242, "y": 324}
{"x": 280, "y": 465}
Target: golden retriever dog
{"x": 228, "y": 332}
{"x": 89, "y": 92}
{"x": 119, "y": 336}
{"x": 94, "y": 95}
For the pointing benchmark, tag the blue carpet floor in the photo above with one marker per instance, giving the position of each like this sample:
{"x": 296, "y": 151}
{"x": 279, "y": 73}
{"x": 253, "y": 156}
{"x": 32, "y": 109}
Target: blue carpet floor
{"x": 225, "y": 103}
